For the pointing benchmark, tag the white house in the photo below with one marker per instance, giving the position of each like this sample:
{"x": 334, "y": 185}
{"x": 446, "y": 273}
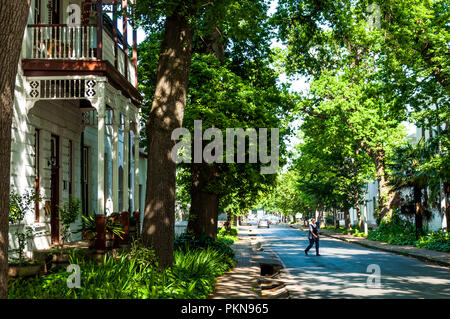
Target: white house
{"x": 76, "y": 123}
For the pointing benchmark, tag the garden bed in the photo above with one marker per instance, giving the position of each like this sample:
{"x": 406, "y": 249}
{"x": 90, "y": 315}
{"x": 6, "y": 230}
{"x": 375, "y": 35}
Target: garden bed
{"x": 134, "y": 273}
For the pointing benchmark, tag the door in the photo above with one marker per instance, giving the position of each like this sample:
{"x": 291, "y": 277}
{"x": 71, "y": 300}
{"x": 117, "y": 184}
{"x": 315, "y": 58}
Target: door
{"x": 54, "y": 189}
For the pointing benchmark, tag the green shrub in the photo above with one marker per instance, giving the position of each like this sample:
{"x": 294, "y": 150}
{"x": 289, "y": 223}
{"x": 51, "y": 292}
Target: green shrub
{"x": 135, "y": 274}
{"x": 439, "y": 241}
{"x": 396, "y": 232}
{"x": 230, "y": 235}
{"x": 189, "y": 241}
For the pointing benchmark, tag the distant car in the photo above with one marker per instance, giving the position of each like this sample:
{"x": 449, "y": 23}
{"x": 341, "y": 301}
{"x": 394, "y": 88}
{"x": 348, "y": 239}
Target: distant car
{"x": 263, "y": 223}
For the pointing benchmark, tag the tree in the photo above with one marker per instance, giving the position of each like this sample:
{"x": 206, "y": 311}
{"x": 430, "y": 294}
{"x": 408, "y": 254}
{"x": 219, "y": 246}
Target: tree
{"x": 224, "y": 100}
{"x": 405, "y": 171}
{"x": 231, "y": 46}
{"x": 416, "y": 45}
{"x": 333, "y": 43}
{"x": 286, "y": 198}
{"x": 330, "y": 167}
{"x": 13, "y": 18}
{"x": 166, "y": 114}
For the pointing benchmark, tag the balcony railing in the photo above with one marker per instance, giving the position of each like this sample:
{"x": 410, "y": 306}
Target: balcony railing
{"x": 64, "y": 42}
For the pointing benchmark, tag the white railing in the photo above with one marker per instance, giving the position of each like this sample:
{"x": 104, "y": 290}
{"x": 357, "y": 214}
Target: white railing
{"x": 58, "y": 41}
{"x": 62, "y": 41}
{"x": 108, "y": 48}
{"x": 131, "y": 72}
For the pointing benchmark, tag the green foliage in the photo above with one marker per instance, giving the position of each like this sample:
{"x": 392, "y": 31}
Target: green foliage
{"x": 355, "y": 231}
{"x": 88, "y": 226}
{"x": 285, "y": 197}
{"x": 439, "y": 241}
{"x": 19, "y": 206}
{"x": 69, "y": 213}
{"x": 135, "y": 274}
{"x": 189, "y": 241}
{"x": 396, "y": 231}
{"x": 228, "y": 235}
{"x": 366, "y": 80}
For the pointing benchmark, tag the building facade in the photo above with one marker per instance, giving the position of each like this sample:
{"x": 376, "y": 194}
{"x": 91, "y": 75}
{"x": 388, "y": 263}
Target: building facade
{"x": 76, "y": 124}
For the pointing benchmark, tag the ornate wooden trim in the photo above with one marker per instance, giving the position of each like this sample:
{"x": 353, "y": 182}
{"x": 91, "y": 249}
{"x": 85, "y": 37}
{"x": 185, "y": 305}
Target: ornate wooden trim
{"x": 48, "y": 68}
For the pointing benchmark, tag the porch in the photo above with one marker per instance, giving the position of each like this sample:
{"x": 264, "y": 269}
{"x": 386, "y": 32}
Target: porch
{"x": 75, "y": 136}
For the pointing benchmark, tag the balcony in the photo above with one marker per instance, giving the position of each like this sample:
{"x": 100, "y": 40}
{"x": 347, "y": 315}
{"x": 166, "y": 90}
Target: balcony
{"x": 77, "y": 43}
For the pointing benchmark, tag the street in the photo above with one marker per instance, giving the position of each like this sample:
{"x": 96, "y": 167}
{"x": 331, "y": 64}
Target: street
{"x": 343, "y": 269}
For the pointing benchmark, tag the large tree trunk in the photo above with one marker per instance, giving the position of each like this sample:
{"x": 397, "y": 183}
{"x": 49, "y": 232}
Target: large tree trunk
{"x": 418, "y": 218}
{"x": 384, "y": 189}
{"x": 165, "y": 116}
{"x": 235, "y": 221}
{"x": 13, "y": 18}
{"x": 204, "y": 210}
{"x": 359, "y": 214}
{"x": 335, "y": 220}
{"x": 348, "y": 224}
{"x": 447, "y": 204}
{"x": 227, "y": 224}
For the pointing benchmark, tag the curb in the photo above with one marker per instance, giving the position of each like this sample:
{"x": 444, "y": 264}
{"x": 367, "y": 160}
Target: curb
{"x": 394, "y": 251}
{"x": 295, "y": 290}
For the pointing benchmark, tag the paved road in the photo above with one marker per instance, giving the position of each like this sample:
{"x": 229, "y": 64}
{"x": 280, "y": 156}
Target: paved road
{"x": 342, "y": 269}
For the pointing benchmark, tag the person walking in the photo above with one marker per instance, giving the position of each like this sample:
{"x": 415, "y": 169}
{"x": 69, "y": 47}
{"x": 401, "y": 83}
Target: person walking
{"x": 313, "y": 236}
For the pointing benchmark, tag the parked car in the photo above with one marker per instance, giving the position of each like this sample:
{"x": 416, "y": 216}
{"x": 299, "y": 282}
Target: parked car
{"x": 263, "y": 223}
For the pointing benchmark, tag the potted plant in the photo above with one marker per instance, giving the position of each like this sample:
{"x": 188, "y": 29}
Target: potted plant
{"x": 89, "y": 232}
{"x": 114, "y": 230}
{"x": 69, "y": 213}
{"x": 19, "y": 205}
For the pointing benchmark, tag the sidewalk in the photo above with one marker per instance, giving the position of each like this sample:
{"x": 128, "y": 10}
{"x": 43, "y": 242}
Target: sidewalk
{"x": 241, "y": 282}
{"x": 245, "y": 281}
{"x": 441, "y": 258}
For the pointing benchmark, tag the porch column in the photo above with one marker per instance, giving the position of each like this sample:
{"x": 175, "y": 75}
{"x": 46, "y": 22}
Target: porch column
{"x": 100, "y": 105}
{"x": 115, "y": 159}
{"x": 136, "y": 167}
{"x": 126, "y": 191}
{"x": 115, "y": 34}
{"x": 99, "y": 29}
